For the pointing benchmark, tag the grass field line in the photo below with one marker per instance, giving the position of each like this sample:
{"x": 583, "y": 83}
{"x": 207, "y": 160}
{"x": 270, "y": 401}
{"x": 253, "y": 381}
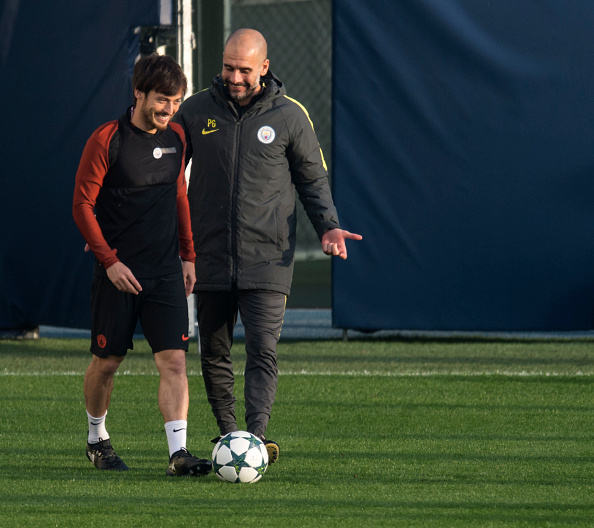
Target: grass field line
{"x": 353, "y": 373}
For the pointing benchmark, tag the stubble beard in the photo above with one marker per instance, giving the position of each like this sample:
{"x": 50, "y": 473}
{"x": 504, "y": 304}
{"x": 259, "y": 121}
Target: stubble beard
{"x": 249, "y": 91}
{"x": 148, "y": 116}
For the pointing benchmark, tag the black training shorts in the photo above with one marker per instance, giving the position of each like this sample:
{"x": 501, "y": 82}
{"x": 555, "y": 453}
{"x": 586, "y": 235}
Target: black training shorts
{"x": 161, "y": 307}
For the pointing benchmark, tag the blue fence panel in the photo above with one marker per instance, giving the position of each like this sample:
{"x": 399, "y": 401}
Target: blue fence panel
{"x": 65, "y": 70}
{"x": 462, "y": 152}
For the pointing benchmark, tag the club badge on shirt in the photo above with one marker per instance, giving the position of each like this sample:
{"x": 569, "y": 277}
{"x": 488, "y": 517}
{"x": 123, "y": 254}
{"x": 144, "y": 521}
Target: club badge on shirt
{"x": 266, "y": 134}
{"x": 158, "y": 152}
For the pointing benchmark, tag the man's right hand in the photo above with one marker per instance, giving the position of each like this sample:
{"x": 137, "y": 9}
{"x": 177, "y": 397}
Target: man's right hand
{"x": 123, "y": 279}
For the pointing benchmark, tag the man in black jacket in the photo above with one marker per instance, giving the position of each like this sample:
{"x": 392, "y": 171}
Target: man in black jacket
{"x": 252, "y": 147}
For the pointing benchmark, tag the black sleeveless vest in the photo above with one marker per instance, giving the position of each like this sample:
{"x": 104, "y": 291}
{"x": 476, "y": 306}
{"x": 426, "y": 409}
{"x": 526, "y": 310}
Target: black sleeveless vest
{"x": 137, "y": 205}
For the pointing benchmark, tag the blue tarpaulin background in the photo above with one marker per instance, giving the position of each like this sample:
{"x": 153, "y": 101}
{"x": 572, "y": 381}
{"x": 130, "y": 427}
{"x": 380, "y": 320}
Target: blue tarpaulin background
{"x": 65, "y": 69}
{"x": 463, "y": 153}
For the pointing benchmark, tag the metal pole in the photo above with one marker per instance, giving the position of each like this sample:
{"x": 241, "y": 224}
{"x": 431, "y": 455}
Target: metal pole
{"x": 186, "y": 41}
{"x": 227, "y": 19}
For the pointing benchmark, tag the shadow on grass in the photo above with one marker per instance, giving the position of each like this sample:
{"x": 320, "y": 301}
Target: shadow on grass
{"x": 299, "y": 502}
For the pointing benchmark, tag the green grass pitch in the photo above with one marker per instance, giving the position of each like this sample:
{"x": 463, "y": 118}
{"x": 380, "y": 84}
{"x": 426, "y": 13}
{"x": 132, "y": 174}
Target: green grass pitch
{"x": 385, "y": 432}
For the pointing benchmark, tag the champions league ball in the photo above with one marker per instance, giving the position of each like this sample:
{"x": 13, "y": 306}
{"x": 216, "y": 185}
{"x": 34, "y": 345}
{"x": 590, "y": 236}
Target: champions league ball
{"x": 240, "y": 457}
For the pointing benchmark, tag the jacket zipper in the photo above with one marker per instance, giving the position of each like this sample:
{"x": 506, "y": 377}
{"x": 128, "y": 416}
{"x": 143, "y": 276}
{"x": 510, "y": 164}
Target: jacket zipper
{"x": 235, "y": 191}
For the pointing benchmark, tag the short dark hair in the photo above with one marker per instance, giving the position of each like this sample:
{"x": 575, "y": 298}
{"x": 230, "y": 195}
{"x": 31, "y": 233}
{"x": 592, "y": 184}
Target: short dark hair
{"x": 159, "y": 73}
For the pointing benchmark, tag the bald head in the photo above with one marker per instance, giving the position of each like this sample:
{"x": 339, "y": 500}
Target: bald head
{"x": 244, "y": 63}
{"x": 247, "y": 42}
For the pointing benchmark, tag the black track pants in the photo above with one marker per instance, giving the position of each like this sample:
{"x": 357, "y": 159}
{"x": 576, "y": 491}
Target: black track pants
{"x": 262, "y": 314}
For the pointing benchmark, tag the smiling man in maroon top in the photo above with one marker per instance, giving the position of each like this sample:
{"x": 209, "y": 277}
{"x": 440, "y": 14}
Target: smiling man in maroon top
{"x": 131, "y": 207}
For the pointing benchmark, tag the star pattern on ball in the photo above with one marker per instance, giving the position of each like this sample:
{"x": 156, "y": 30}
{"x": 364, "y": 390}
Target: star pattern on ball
{"x": 240, "y": 457}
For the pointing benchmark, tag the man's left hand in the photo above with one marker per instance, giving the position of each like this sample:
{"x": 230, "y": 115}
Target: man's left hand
{"x": 189, "y": 272}
{"x": 333, "y": 242}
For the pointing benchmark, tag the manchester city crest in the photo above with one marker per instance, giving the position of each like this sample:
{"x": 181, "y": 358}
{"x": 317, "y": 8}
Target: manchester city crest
{"x": 266, "y": 134}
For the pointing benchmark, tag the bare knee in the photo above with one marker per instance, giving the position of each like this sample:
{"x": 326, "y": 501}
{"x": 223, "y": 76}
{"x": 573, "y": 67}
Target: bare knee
{"x": 105, "y": 367}
{"x": 171, "y": 362}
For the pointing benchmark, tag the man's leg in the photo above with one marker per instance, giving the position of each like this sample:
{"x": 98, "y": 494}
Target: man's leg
{"x": 98, "y": 386}
{"x": 262, "y": 314}
{"x": 174, "y": 396}
{"x": 164, "y": 320}
{"x": 113, "y": 320}
{"x": 174, "y": 401}
{"x": 217, "y": 315}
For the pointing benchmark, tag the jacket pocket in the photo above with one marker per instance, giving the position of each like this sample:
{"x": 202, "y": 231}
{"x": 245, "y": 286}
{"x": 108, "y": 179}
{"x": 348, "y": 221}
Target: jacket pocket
{"x": 279, "y": 227}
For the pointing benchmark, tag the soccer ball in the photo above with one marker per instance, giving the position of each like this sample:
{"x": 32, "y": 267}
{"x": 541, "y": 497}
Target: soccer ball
{"x": 240, "y": 457}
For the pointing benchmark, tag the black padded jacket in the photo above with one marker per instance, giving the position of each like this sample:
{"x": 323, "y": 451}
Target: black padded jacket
{"x": 246, "y": 166}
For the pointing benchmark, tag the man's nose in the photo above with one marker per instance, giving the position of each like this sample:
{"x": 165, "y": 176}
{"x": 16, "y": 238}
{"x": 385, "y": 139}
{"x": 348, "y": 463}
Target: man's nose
{"x": 236, "y": 77}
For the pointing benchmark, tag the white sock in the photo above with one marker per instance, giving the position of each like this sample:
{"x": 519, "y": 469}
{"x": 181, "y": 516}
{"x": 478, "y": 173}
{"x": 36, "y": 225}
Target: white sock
{"x": 97, "y": 429}
{"x": 176, "y": 435}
